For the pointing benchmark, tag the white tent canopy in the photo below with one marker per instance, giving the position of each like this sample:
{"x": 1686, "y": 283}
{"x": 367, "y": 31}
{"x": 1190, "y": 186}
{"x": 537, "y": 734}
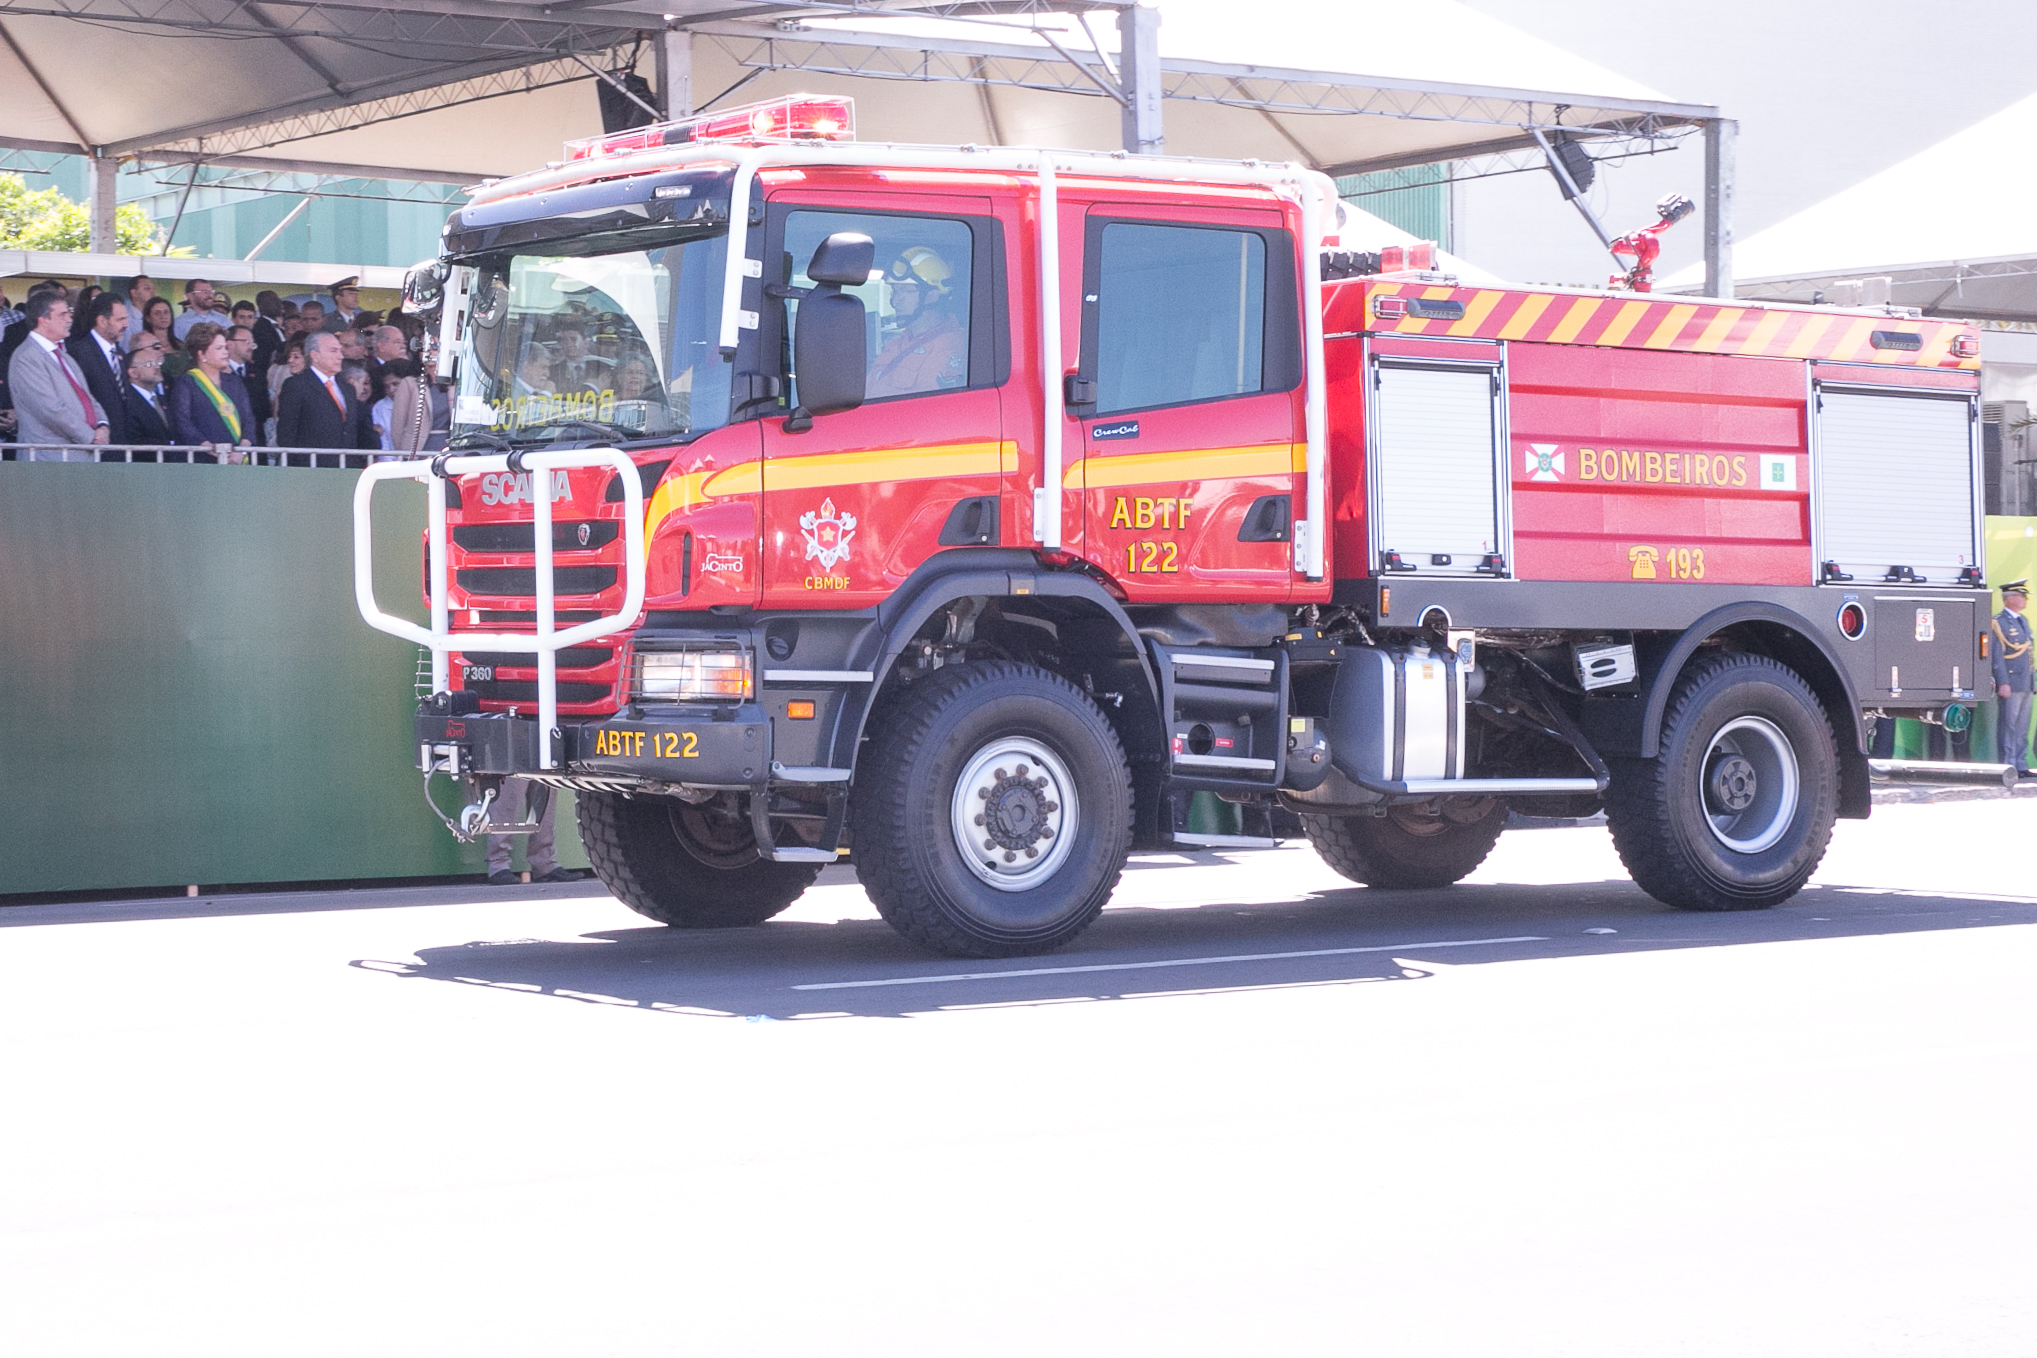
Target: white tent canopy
{"x": 1953, "y": 230}
{"x": 464, "y": 88}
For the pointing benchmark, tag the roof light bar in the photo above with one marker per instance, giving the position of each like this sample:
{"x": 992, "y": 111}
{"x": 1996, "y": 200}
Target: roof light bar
{"x": 795, "y": 118}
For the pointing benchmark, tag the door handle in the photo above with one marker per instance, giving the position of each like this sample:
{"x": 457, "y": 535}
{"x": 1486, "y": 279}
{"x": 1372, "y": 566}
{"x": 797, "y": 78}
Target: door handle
{"x": 1268, "y": 520}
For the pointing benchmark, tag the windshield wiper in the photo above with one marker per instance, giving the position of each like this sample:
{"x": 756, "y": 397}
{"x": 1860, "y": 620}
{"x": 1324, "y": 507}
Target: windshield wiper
{"x": 482, "y": 438}
{"x": 602, "y": 428}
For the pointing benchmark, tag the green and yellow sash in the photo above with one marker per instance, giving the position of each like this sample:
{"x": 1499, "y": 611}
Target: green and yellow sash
{"x": 226, "y": 408}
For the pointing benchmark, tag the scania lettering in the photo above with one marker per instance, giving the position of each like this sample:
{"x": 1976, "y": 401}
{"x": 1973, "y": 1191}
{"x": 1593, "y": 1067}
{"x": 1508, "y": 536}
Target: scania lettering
{"x": 985, "y": 515}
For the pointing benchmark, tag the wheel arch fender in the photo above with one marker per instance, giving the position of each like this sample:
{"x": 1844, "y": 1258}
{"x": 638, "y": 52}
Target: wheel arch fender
{"x": 989, "y": 573}
{"x": 1789, "y": 637}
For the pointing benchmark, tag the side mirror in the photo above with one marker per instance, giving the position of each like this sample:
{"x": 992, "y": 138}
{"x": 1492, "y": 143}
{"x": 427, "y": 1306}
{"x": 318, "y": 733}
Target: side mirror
{"x": 830, "y": 351}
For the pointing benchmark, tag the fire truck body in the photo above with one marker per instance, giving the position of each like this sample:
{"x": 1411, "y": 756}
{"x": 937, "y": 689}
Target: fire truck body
{"x": 1052, "y": 566}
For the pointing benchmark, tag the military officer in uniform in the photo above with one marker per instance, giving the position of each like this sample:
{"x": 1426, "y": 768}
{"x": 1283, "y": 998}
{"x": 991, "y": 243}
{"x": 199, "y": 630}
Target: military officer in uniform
{"x": 346, "y": 304}
{"x": 930, "y": 349}
{"x": 2013, "y": 671}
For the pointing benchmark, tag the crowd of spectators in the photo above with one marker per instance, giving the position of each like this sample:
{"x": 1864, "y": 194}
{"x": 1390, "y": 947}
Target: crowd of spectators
{"x": 131, "y": 374}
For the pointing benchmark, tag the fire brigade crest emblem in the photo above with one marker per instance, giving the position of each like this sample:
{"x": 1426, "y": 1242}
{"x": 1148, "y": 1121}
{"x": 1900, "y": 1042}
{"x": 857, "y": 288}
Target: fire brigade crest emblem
{"x": 1544, "y": 462}
{"x": 827, "y": 534}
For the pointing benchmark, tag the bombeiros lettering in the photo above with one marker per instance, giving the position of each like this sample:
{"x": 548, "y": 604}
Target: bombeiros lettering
{"x": 1655, "y": 468}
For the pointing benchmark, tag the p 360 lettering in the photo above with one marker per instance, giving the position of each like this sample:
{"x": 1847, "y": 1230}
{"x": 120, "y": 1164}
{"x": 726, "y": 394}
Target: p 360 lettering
{"x": 647, "y": 744}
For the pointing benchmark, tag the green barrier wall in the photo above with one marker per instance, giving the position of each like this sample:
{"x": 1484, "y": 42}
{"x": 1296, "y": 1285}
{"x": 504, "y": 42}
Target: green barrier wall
{"x": 187, "y": 694}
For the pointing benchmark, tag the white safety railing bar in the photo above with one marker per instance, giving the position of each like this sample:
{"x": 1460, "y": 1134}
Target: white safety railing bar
{"x": 1047, "y": 499}
{"x": 1315, "y": 191}
{"x": 129, "y": 450}
{"x": 547, "y": 641}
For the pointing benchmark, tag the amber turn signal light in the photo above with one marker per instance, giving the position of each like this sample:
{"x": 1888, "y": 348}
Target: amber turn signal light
{"x": 800, "y": 709}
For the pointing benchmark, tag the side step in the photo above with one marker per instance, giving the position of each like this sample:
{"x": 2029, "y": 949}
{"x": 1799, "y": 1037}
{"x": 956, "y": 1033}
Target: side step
{"x": 1943, "y": 772}
{"x": 1192, "y": 840}
{"x": 1226, "y": 713}
{"x": 1485, "y": 787}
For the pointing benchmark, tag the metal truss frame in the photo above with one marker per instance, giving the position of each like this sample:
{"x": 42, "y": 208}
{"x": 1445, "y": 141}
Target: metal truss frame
{"x": 1512, "y": 114}
{"x": 1950, "y": 276}
{"x": 325, "y": 117}
{"x": 444, "y": 42}
{"x": 297, "y": 183}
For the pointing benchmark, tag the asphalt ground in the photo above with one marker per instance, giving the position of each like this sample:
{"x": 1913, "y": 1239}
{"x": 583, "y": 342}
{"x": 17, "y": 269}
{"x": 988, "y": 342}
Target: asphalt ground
{"x": 1255, "y": 1109}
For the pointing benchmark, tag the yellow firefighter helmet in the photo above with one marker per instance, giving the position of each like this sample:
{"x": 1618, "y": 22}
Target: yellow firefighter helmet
{"x": 922, "y": 265}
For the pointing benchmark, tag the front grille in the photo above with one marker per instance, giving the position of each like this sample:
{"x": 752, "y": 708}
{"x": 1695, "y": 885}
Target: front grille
{"x": 521, "y": 537}
{"x": 522, "y": 581}
{"x": 526, "y": 691}
{"x": 572, "y": 658}
{"x": 521, "y": 617}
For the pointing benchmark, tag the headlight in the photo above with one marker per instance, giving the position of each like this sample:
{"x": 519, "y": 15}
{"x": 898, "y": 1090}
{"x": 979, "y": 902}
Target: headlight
{"x": 692, "y": 676}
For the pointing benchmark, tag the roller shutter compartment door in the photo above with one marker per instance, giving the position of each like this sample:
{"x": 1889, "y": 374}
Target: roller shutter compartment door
{"x": 1894, "y": 479}
{"x": 1436, "y": 467}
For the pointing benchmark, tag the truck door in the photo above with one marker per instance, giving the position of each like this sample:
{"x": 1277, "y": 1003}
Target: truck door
{"x": 1438, "y": 472}
{"x": 858, "y": 500}
{"x": 1893, "y": 473}
{"x": 1189, "y": 400}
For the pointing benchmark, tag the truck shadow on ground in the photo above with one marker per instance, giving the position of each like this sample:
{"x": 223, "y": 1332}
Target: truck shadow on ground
{"x": 860, "y": 968}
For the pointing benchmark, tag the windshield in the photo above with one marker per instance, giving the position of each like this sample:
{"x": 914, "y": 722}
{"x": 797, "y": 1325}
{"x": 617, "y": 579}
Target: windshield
{"x": 624, "y": 340}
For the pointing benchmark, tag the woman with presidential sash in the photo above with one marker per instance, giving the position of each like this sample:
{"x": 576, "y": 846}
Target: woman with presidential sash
{"x": 209, "y": 410}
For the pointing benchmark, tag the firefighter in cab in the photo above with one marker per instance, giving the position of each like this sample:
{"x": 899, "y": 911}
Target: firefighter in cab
{"x": 2013, "y": 674}
{"x": 929, "y": 350}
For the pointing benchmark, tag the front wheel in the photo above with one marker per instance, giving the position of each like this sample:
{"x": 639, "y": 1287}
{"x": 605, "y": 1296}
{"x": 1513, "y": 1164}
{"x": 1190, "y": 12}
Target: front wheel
{"x": 992, "y": 811}
{"x": 1736, "y": 810}
{"x": 689, "y": 866}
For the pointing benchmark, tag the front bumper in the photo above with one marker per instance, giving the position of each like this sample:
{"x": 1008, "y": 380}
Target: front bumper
{"x": 727, "y": 747}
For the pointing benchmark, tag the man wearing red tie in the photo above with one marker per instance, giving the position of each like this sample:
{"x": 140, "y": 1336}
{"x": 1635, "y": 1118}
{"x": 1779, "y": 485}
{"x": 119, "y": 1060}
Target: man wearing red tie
{"x": 317, "y": 410}
{"x": 50, "y": 397}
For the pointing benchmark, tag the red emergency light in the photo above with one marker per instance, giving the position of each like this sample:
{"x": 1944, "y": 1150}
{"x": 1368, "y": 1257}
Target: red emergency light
{"x": 795, "y": 118}
{"x": 1420, "y": 256}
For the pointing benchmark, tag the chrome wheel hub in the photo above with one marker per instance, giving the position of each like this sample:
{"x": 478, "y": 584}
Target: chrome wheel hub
{"x": 1750, "y": 784}
{"x": 1014, "y": 813}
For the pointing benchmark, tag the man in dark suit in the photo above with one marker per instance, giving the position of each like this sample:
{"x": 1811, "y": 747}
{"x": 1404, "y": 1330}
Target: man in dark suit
{"x": 316, "y": 410}
{"x": 99, "y": 357}
{"x": 144, "y": 406}
{"x": 269, "y": 337}
{"x": 240, "y": 355}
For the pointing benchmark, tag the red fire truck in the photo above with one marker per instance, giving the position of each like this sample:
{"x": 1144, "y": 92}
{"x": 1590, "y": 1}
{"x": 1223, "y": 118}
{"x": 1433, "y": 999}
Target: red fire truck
{"x": 980, "y": 509}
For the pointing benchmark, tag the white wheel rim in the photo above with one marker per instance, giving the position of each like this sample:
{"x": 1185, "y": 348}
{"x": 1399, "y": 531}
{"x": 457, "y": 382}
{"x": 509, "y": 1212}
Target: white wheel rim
{"x": 1014, "y": 813}
{"x": 1748, "y": 784}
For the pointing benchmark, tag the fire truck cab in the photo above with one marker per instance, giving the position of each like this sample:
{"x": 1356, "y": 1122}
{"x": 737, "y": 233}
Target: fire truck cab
{"x": 980, "y": 510}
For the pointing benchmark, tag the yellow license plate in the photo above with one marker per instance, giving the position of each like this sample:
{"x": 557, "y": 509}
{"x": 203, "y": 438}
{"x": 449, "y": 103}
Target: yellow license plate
{"x": 622, "y": 743}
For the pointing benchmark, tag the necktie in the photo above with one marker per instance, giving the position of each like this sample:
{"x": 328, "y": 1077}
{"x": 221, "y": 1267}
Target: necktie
{"x": 332, "y": 390}
{"x": 84, "y": 399}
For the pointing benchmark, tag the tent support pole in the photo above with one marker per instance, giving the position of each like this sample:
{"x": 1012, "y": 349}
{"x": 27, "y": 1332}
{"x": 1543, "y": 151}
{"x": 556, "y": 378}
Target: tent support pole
{"x": 1139, "y": 78}
{"x": 100, "y": 201}
{"x": 1720, "y": 134}
{"x": 674, "y": 49}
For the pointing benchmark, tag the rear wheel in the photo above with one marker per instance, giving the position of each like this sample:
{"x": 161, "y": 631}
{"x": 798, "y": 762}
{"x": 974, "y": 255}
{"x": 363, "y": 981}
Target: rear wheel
{"x": 692, "y": 867}
{"x": 1408, "y": 847}
{"x": 992, "y": 811}
{"x": 1736, "y": 811}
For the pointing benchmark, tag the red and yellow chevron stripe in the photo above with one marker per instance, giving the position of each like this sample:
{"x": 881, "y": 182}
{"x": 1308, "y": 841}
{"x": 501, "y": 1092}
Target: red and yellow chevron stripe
{"x": 1651, "y": 322}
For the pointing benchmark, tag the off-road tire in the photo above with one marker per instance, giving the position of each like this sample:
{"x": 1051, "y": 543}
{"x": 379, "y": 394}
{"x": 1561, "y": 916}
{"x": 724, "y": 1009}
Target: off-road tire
{"x": 907, "y": 852}
{"x": 1406, "y": 850}
{"x": 642, "y": 851}
{"x": 1657, "y": 807}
